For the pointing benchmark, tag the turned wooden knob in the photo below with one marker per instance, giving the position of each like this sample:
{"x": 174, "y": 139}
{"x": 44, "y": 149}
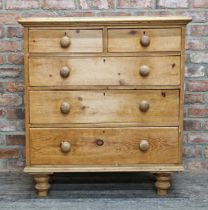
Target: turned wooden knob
{"x": 65, "y": 108}
{"x": 64, "y": 72}
{"x": 144, "y": 145}
{"x": 144, "y": 106}
{"x": 65, "y": 41}
{"x": 65, "y": 146}
{"x": 144, "y": 70}
{"x": 145, "y": 41}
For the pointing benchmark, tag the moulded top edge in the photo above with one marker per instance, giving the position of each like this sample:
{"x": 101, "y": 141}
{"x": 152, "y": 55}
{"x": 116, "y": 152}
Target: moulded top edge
{"x": 31, "y": 21}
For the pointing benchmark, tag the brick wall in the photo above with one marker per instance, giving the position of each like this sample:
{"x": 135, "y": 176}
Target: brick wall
{"x": 11, "y": 67}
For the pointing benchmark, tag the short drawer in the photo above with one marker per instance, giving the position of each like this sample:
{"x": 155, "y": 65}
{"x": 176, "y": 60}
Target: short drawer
{"x": 120, "y": 71}
{"x": 74, "y": 41}
{"x": 135, "y": 40}
{"x": 104, "y": 146}
{"x": 110, "y": 106}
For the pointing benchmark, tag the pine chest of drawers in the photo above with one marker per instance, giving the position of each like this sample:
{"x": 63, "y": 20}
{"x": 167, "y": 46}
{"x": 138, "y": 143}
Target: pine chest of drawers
{"x": 104, "y": 94}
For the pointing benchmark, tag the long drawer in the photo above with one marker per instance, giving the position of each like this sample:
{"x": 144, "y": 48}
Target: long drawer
{"x": 125, "y": 71}
{"x": 136, "y": 40}
{"x": 104, "y": 146}
{"x": 74, "y": 41}
{"x": 110, "y": 106}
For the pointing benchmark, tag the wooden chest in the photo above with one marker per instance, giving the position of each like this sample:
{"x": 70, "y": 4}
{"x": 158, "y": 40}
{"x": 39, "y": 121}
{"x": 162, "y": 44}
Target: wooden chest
{"x": 104, "y": 94}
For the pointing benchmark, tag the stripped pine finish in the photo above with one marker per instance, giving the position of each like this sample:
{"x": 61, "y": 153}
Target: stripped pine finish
{"x": 104, "y": 94}
{"x": 128, "y": 40}
{"x": 80, "y": 41}
{"x": 104, "y": 106}
{"x": 123, "y": 71}
{"x": 120, "y": 146}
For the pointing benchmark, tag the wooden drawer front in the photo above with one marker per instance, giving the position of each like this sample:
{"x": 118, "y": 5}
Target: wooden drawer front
{"x": 121, "y": 106}
{"x": 104, "y": 71}
{"x": 129, "y": 40}
{"x": 119, "y": 146}
{"x": 46, "y": 41}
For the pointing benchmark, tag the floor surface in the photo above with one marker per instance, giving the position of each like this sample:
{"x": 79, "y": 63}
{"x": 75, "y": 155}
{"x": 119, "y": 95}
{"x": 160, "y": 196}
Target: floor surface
{"x": 103, "y": 191}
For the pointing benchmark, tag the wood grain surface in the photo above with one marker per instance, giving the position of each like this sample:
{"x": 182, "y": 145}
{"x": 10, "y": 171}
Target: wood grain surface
{"x": 118, "y": 106}
{"x": 128, "y": 40}
{"x": 117, "y": 71}
{"x": 81, "y": 40}
{"x": 121, "y": 146}
{"x": 116, "y": 21}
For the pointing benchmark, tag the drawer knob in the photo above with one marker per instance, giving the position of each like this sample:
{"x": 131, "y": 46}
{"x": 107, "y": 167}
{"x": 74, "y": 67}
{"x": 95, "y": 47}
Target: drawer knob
{"x": 144, "y": 106}
{"x": 65, "y": 146}
{"x": 144, "y": 145}
{"x": 99, "y": 142}
{"x": 144, "y": 70}
{"x": 145, "y": 41}
{"x": 64, "y": 72}
{"x": 65, "y": 108}
{"x": 65, "y": 41}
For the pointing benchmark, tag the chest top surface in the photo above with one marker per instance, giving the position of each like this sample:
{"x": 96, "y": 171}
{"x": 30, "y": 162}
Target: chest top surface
{"x": 60, "y": 21}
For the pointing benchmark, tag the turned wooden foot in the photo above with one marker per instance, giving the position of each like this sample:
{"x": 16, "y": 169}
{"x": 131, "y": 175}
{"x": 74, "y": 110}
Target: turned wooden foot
{"x": 42, "y": 184}
{"x": 162, "y": 183}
